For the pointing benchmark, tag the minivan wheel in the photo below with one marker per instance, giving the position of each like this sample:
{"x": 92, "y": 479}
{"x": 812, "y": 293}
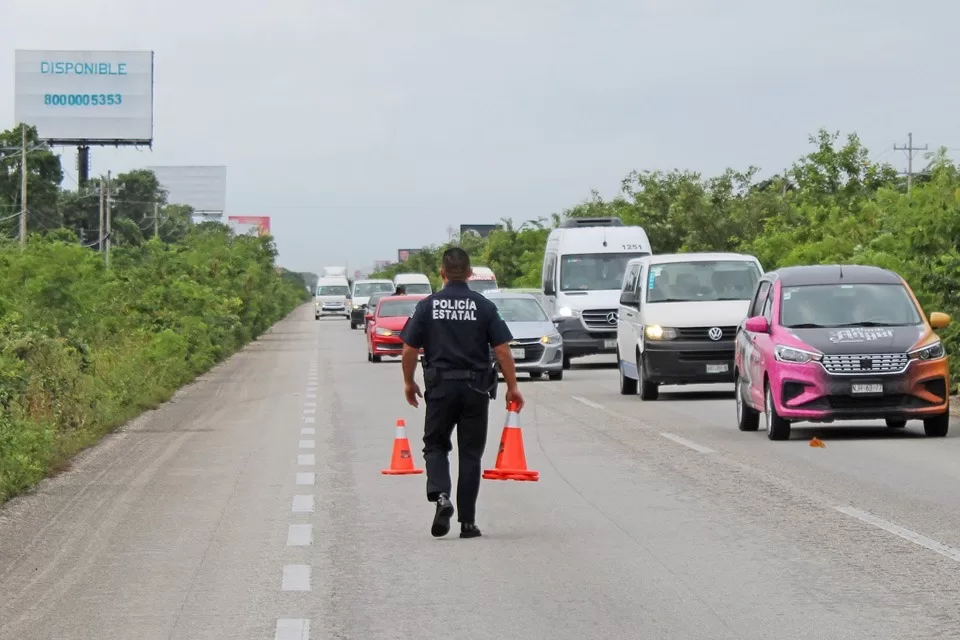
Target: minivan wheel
{"x": 628, "y": 386}
{"x": 748, "y": 418}
{"x": 648, "y": 390}
{"x": 938, "y": 426}
{"x": 777, "y": 427}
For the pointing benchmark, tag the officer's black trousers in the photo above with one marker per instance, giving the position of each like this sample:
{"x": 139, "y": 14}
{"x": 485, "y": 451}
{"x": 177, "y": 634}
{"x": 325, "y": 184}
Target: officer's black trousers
{"x": 455, "y": 403}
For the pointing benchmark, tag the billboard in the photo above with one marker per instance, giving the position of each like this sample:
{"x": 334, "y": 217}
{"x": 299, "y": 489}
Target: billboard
{"x": 404, "y": 254}
{"x": 94, "y": 97}
{"x": 203, "y": 188}
{"x": 250, "y": 225}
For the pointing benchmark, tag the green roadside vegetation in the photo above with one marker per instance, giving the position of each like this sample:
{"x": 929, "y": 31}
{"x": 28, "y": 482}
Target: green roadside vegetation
{"x": 834, "y": 205}
{"x": 85, "y": 348}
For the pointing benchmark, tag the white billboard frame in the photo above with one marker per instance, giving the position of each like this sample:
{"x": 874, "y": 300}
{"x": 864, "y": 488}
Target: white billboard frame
{"x": 83, "y": 98}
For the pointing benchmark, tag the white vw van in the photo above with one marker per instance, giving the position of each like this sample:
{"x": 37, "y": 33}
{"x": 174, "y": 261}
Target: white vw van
{"x": 678, "y": 318}
{"x": 332, "y": 295}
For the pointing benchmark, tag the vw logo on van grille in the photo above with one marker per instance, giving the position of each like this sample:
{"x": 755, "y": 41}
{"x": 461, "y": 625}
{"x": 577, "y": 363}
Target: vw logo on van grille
{"x": 612, "y": 317}
{"x": 715, "y": 333}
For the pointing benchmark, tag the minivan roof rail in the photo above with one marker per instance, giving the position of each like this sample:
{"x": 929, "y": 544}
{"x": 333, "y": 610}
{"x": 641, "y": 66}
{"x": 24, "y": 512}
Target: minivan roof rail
{"x": 570, "y": 223}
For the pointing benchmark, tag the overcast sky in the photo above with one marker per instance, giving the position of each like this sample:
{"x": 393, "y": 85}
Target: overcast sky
{"x": 364, "y": 126}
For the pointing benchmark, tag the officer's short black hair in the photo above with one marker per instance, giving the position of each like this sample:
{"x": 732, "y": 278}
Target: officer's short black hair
{"x": 456, "y": 263}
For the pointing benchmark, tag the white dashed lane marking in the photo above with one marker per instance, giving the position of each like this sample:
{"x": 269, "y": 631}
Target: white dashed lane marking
{"x": 307, "y": 431}
{"x": 312, "y": 396}
{"x": 296, "y": 577}
{"x": 687, "y": 443}
{"x": 309, "y": 411}
{"x": 309, "y": 419}
{"x": 300, "y": 535}
{"x": 589, "y": 403}
{"x": 303, "y": 503}
{"x": 306, "y": 459}
{"x": 306, "y": 478}
{"x": 292, "y": 629}
{"x": 308, "y": 444}
{"x": 309, "y": 404}
{"x": 933, "y": 545}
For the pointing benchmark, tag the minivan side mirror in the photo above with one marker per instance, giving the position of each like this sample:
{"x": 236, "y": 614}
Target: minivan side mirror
{"x": 557, "y": 320}
{"x": 939, "y": 320}
{"x": 549, "y": 289}
{"x": 757, "y": 324}
{"x": 630, "y": 299}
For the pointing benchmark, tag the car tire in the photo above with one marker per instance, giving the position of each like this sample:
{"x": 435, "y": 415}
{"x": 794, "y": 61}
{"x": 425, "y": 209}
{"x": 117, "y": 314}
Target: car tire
{"x": 628, "y": 386}
{"x": 937, "y": 426}
{"x": 353, "y": 325}
{"x": 374, "y": 358}
{"x": 555, "y": 375}
{"x": 748, "y": 418}
{"x": 777, "y": 427}
{"x": 648, "y": 390}
{"x": 566, "y": 362}
{"x": 896, "y": 423}
{"x": 369, "y": 357}
{"x": 536, "y": 375}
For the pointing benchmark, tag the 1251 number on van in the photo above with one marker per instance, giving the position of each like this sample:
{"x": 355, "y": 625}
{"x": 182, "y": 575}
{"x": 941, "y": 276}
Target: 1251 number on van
{"x": 631, "y": 247}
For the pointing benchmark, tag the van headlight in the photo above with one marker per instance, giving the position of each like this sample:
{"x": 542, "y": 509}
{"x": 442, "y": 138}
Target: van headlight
{"x": 796, "y": 356}
{"x": 568, "y": 312}
{"x": 932, "y": 351}
{"x": 656, "y": 332}
{"x": 553, "y": 338}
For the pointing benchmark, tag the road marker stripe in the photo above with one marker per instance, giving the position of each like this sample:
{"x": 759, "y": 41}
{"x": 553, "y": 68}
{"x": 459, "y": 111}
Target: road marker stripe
{"x": 307, "y": 431}
{"x": 305, "y": 478}
{"x": 311, "y": 395}
{"x": 309, "y": 411}
{"x": 307, "y": 459}
{"x": 912, "y": 536}
{"x": 296, "y": 577}
{"x": 309, "y": 404}
{"x": 308, "y": 419}
{"x": 303, "y": 503}
{"x": 589, "y": 403}
{"x": 292, "y": 629}
{"x": 687, "y": 443}
{"x": 308, "y": 444}
{"x": 300, "y": 535}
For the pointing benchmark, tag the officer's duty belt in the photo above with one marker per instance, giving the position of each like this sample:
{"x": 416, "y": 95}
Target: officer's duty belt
{"x": 459, "y": 374}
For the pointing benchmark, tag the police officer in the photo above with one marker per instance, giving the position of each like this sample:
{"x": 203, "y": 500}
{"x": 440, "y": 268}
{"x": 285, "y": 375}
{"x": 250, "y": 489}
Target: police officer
{"x": 456, "y": 327}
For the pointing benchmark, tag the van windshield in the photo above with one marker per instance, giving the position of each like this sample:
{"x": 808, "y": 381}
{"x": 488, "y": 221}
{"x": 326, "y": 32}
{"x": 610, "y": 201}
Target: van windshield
{"x": 417, "y": 287}
{"x": 594, "y": 271}
{"x": 482, "y": 285}
{"x": 366, "y": 289}
{"x": 702, "y": 281}
{"x": 333, "y": 290}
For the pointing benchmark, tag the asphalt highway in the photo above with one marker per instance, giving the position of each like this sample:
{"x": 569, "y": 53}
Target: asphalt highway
{"x": 252, "y": 506}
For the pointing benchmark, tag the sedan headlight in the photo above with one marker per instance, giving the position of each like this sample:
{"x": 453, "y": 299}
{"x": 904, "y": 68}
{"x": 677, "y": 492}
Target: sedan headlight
{"x": 932, "y": 351}
{"x": 553, "y": 338}
{"x": 656, "y": 332}
{"x": 384, "y": 332}
{"x": 568, "y": 312}
{"x": 796, "y": 356}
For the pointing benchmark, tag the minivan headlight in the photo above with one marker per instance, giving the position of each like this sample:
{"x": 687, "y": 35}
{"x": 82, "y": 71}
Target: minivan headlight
{"x": 568, "y": 312}
{"x": 656, "y": 332}
{"x": 797, "y": 356}
{"x": 932, "y": 351}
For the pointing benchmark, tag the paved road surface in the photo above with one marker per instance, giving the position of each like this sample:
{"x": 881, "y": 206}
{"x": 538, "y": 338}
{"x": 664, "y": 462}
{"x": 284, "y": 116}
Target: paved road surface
{"x": 253, "y": 506}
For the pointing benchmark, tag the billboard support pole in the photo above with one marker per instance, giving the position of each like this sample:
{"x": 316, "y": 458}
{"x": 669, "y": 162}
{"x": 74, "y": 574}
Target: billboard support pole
{"x": 102, "y": 218}
{"x": 23, "y": 186}
{"x": 109, "y": 205}
{"x": 83, "y": 165}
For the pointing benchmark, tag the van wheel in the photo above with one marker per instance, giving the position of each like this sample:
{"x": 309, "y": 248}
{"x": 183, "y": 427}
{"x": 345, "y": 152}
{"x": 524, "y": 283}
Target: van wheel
{"x": 748, "y": 418}
{"x": 937, "y": 427}
{"x": 628, "y": 386}
{"x": 648, "y": 390}
{"x": 777, "y": 427}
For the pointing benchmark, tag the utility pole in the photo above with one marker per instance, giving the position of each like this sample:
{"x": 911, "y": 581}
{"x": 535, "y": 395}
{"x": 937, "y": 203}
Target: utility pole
{"x": 156, "y": 219}
{"x": 23, "y": 186}
{"x": 102, "y": 217}
{"x": 785, "y": 181}
{"x": 909, "y": 148}
{"x": 109, "y": 206}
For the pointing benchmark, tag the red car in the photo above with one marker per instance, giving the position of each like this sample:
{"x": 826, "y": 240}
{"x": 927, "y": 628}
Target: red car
{"x": 385, "y": 323}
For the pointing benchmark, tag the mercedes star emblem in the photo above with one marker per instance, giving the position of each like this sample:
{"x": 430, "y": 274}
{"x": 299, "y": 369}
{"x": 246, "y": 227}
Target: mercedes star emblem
{"x": 715, "y": 333}
{"x": 612, "y": 317}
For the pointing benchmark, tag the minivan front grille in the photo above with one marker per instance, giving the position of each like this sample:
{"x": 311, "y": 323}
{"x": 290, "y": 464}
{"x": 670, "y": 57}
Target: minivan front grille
{"x": 703, "y": 333}
{"x": 865, "y": 363}
{"x": 599, "y": 319}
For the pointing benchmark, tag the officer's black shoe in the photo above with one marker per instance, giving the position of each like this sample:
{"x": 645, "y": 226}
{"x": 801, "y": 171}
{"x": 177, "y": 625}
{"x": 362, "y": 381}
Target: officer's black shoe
{"x": 469, "y": 530}
{"x": 441, "y": 521}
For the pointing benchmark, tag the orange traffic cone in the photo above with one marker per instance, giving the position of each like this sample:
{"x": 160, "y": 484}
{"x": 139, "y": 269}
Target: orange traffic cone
{"x": 511, "y": 462}
{"x": 402, "y": 462}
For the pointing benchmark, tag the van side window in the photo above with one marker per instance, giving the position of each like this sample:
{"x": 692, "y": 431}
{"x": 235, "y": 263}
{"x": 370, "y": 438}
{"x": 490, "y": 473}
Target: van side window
{"x": 630, "y": 278}
{"x": 756, "y": 307}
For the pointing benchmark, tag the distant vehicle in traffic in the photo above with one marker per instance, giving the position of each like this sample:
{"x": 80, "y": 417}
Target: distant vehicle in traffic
{"x": 583, "y": 268}
{"x": 678, "y": 318}
{"x": 482, "y": 280}
{"x": 384, "y": 324}
{"x": 537, "y": 347}
{"x": 362, "y": 290}
{"x": 333, "y": 293}
{"x": 414, "y": 283}
{"x": 840, "y": 342}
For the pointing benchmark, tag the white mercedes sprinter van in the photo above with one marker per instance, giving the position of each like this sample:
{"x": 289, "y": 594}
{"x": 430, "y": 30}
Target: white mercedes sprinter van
{"x": 414, "y": 283}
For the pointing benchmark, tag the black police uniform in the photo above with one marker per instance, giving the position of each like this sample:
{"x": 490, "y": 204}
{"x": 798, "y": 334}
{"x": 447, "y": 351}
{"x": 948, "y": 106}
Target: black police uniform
{"x": 456, "y": 327}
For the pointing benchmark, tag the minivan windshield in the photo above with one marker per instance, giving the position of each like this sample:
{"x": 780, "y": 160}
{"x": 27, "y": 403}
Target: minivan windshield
{"x": 848, "y": 305}
{"x": 482, "y": 285}
{"x": 367, "y": 289}
{"x": 333, "y": 290}
{"x": 416, "y": 287}
{"x": 594, "y": 271}
{"x": 520, "y": 310}
{"x": 397, "y": 308}
{"x": 702, "y": 281}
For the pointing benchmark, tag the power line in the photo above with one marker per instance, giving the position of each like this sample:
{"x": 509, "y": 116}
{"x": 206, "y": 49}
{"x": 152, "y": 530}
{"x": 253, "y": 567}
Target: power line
{"x": 909, "y": 148}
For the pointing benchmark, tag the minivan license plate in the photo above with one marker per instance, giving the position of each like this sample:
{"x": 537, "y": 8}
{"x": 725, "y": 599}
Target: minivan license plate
{"x": 867, "y": 388}
{"x": 609, "y": 344}
{"x": 717, "y": 368}
{"x": 518, "y": 353}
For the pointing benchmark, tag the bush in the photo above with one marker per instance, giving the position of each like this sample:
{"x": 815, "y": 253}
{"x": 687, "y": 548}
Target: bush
{"x": 84, "y": 348}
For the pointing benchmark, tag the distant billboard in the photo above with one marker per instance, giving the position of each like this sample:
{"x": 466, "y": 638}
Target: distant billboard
{"x": 203, "y": 188}
{"x": 250, "y": 225}
{"x": 404, "y": 254}
{"x": 482, "y": 230}
{"x": 94, "y": 97}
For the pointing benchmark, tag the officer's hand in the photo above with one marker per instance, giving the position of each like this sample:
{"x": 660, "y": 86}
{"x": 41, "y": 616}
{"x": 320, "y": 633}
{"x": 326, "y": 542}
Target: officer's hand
{"x": 412, "y": 391}
{"x": 513, "y": 395}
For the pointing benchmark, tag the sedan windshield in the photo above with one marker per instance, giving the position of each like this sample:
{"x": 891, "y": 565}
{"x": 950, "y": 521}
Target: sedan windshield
{"x": 702, "y": 281}
{"x": 417, "y": 287}
{"x": 333, "y": 290}
{"x": 521, "y": 310}
{"x": 397, "y": 308}
{"x": 366, "y": 289}
{"x": 594, "y": 271}
{"x": 848, "y": 305}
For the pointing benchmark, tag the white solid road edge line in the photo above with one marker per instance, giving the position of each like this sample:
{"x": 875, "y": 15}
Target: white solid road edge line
{"x": 589, "y": 403}
{"x": 292, "y": 629}
{"x": 296, "y": 577}
{"x": 687, "y": 443}
{"x": 945, "y": 550}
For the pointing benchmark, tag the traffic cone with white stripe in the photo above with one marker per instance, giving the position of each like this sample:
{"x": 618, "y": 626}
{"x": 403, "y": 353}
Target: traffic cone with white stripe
{"x": 402, "y": 462}
{"x": 511, "y": 461}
